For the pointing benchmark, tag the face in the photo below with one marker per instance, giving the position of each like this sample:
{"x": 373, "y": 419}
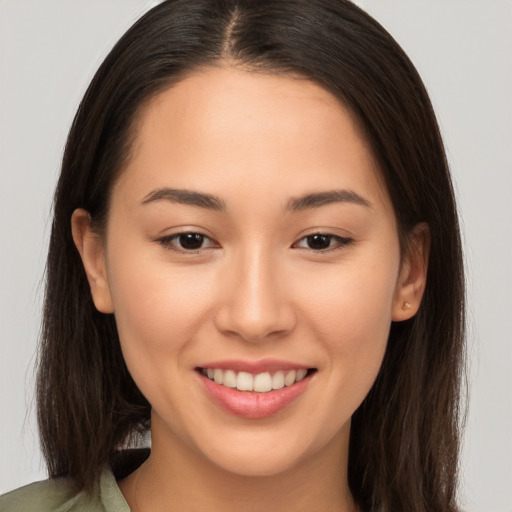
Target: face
{"x": 252, "y": 262}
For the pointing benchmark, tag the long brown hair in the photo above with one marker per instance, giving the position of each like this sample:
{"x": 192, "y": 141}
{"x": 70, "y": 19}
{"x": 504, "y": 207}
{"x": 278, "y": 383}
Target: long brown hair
{"x": 405, "y": 435}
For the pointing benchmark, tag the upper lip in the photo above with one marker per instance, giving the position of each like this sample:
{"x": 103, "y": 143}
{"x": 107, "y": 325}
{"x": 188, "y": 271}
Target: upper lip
{"x": 254, "y": 367}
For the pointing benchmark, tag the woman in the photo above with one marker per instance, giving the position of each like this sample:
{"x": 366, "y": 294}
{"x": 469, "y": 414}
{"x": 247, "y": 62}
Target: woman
{"x": 263, "y": 264}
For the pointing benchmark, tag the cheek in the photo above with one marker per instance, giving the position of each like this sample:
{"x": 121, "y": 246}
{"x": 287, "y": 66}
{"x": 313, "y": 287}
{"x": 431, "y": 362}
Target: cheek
{"x": 357, "y": 299}
{"x": 350, "y": 310}
{"x": 158, "y": 310}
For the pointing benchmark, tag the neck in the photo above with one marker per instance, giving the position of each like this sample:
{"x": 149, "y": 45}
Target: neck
{"x": 175, "y": 478}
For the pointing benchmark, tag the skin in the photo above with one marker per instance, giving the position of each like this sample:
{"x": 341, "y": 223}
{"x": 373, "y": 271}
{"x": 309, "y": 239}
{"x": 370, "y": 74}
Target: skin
{"x": 255, "y": 288}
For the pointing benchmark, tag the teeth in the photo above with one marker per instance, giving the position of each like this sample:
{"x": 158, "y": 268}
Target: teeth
{"x": 289, "y": 378}
{"x": 278, "y": 380}
{"x": 300, "y": 375}
{"x": 261, "y": 383}
{"x": 244, "y": 381}
{"x": 218, "y": 376}
{"x": 229, "y": 379}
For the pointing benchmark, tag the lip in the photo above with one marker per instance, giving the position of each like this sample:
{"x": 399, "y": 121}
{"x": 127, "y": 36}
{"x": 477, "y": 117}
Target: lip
{"x": 254, "y": 367}
{"x": 251, "y": 404}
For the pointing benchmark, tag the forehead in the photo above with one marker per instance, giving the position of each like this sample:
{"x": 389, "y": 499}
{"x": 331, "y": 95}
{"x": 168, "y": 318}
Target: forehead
{"x": 223, "y": 126}
{"x": 221, "y": 99}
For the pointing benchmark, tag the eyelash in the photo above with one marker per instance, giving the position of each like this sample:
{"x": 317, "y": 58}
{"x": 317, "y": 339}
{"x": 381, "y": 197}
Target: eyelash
{"x": 339, "y": 242}
{"x": 169, "y": 242}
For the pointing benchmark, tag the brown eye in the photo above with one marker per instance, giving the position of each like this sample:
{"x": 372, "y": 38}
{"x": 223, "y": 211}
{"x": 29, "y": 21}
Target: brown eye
{"x": 187, "y": 242}
{"x": 190, "y": 241}
{"x": 319, "y": 242}
{"x": 323, "y": 242}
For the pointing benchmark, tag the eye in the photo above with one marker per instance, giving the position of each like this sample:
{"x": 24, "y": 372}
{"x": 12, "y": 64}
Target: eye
{"x": 187, "y": 242}
{"x": 323, "y": 242}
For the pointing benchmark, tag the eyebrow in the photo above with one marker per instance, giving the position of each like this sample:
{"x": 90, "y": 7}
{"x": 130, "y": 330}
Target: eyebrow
{"x": 319, "y": 199}
{"x": 211, "y": 202}
{"x": 189, "y": 197}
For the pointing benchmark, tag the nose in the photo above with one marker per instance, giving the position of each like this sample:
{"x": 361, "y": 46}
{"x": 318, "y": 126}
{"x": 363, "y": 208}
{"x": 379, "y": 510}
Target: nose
{"x": 253, "y": 303}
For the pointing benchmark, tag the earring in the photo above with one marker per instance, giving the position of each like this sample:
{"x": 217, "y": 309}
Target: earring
{"x": 406, "y": 305}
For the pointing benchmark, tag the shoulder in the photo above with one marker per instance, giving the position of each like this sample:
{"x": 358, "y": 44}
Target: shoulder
{"x": 45, "y": 496}
{"x": 59, "y": 495}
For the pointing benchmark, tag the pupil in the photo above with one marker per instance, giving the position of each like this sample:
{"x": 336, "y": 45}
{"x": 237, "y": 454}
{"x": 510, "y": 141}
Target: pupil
{"x": 191, "y": 241}
{"x": 319, "y": 241}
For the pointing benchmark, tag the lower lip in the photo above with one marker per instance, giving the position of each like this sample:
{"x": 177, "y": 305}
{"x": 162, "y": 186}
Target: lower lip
{"x": 251, "y": 404}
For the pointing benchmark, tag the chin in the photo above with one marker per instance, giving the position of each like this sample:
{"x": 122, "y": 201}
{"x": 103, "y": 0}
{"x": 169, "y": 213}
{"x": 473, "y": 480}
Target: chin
{"x": 268, "y": 454}
{"x": 257, "y": 465}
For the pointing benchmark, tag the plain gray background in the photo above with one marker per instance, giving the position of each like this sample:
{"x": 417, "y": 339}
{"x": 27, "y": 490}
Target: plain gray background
{"x": 49, "y": 50}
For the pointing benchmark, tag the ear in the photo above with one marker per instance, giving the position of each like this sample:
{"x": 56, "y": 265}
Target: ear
{"x": 92, "y": 251}
{"x": 413, "y": 274}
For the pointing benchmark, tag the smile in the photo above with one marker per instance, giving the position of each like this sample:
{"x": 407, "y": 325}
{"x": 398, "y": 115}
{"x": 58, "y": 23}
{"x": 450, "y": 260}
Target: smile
{"x": 259, "y": 383}
{"x": 254, "y": 390}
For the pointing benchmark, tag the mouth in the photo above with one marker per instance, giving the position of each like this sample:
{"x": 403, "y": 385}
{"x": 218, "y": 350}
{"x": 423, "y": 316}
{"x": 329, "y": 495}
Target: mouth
{"x": 252, "y": 393}
{"x": 260, "y": 383}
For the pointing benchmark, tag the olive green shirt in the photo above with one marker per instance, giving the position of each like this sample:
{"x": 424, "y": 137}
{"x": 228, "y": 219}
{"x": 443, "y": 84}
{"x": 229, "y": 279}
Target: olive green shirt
{"x": 58, "y": 495}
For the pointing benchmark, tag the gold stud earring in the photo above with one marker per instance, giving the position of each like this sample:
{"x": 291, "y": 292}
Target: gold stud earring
{"x": 406, "y": 305}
